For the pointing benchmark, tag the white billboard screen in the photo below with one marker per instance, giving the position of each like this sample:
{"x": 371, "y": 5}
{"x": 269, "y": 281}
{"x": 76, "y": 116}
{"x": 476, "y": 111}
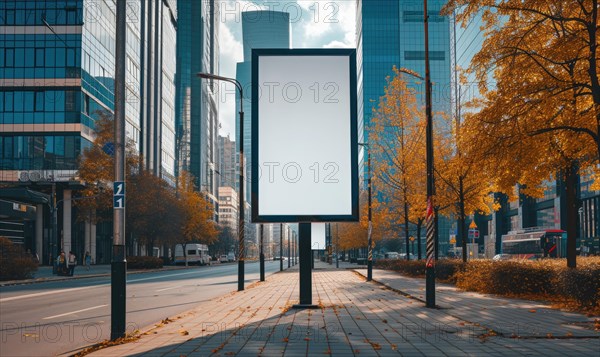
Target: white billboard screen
{"x": 304, "y": 165}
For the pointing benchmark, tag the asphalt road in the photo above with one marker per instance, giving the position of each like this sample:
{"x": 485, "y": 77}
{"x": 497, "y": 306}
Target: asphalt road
{"x": 53, "y": 318}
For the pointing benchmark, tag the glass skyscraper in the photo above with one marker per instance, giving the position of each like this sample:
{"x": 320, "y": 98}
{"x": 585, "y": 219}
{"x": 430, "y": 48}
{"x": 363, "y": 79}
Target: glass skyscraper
{"x": 391, "y": 33}
{"x": 260, "y": 29}
{"x": 57, "y": 68}
{"x": 197, "y": 100}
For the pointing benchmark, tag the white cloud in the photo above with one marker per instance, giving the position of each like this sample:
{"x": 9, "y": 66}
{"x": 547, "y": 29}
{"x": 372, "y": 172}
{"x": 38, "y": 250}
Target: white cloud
{"x": 314, "y": 24}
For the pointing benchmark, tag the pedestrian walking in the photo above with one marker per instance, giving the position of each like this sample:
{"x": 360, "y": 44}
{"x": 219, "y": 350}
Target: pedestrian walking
{"x": 87, "y": 261}
{"x": 61, "y": 262}
{"x": 72, "y": 261}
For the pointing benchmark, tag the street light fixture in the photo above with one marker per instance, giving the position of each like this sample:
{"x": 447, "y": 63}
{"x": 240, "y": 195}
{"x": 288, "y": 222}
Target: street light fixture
{"x": 241, "y": 178}
{"x": 370, "y": 229}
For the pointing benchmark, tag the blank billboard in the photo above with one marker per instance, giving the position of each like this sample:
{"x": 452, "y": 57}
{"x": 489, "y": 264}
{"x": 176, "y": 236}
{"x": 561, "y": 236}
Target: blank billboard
{"x": 304, "y": 135}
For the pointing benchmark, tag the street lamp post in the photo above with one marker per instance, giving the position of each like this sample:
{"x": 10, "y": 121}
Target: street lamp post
{"x": 241, "y": 177}
{"x": 430, "y": 216}
{"x": 430, "y": 213}
{"x": 262, "y": 254}
{"x": 280, "y": 246}
{"x": 370, "y": 229}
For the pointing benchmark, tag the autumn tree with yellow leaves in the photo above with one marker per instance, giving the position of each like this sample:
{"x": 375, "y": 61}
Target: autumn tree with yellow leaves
{"x": 541, "y": 121}
{"x": 196, "y": 215}
{"x": 397, "y": 139}
{"x": 155, "y": 213}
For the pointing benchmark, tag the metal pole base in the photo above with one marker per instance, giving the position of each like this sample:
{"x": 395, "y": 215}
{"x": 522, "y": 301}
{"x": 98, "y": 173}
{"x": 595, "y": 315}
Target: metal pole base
{"x": 305, "y": 254}
{"x": 305, "y": 306}
{"x": 262, "y": 267}
{"x": 369, "y": 270}
{"x": 430, "y": 287}
{"x": 117, "y": 293}
{"x": 240, "y": 275}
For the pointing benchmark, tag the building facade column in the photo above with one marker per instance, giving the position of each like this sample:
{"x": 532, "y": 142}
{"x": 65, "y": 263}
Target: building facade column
{"x": 93, "y": 241}
{"x": 66, "y": 236}
{"x": 39, "y": 231}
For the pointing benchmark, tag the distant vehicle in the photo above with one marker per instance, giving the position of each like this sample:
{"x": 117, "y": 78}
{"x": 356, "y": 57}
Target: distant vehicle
{"x": 498, "y": 257}
{"x": 223, "y": 259}
{"x": 231, "y": 257}
{"x": 196, "y": 254}
{"x": 392, "y": 255}
{"x": 534, "y": 243}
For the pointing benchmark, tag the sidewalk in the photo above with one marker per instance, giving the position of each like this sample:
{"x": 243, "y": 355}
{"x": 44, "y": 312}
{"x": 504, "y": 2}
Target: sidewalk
{"x": 361, "y": 318}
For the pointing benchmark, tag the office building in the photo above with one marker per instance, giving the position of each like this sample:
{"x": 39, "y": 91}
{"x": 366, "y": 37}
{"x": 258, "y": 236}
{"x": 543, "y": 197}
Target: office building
{"x": 391, "y": 33}
{"x": 57, "y": 69}
{"x": 228, "y": 208}
{"x": 197, "y": 100}
{"x": 260, "y": 29}
{"x": 227, "y": 174}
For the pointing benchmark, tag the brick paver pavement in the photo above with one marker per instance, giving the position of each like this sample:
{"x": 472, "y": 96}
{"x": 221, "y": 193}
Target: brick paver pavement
{"x": 357, "y": 318}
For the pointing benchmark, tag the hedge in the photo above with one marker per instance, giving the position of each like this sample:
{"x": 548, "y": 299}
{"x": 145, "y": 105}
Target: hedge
{"x": 135, "y": 262}
{"x": 15, "y": 263}
{"x": 445, "y": 270}
{"x": 541, "y": 279}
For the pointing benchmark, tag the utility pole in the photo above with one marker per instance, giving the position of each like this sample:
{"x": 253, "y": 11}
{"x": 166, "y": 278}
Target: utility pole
{"x": 119, "y": 264}
{"x": 430, "y": 215}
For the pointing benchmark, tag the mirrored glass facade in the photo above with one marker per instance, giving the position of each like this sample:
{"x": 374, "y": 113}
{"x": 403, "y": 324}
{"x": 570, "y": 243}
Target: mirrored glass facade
{"x": 197, "y": 100}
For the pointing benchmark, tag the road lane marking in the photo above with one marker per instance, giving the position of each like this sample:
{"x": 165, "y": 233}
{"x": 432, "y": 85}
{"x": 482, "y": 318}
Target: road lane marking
{"x": 172, "y": 287}
{"x": 61, "y": 291}
{"x": 74, "y": 312}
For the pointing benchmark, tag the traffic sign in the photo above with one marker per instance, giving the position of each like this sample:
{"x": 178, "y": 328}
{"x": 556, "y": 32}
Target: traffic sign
{"x": 119, "y": 195}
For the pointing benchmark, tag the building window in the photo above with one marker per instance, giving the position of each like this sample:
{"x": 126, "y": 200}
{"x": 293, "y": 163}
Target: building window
{"x": 420, "y": 55}
{"x": 417, "y": 16}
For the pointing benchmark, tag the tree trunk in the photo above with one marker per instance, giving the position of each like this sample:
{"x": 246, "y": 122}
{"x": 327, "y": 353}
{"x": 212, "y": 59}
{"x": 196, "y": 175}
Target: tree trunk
{"x": 461, "y": 219}
{"x": 406, "y": 234}
{"x": 183, "y": 245}
{"x": 571, "y": 198}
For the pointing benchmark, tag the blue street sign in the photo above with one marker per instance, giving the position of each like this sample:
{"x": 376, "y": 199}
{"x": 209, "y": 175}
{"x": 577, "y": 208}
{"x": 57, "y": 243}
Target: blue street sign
{"x": 119, "y": 194}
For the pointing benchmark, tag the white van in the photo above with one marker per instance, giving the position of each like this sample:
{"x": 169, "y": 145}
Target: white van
{"x": 196, "y": 254}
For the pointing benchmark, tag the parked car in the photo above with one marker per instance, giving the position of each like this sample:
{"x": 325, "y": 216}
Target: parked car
{"x": 223, "y": 259}
{"x": 501, "y": 257}
{"x": 231, "y": 257}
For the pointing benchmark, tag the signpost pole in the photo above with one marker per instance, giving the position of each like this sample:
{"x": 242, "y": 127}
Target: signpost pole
{"x": 119, "y": 264}
{"x": 305, "y": 253}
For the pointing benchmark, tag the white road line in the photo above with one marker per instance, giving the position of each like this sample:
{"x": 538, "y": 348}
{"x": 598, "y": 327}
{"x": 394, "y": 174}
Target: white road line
{"x": 73, "y": 312}
{"x": 61, "y": 291}
{"x": 172, "y": 287}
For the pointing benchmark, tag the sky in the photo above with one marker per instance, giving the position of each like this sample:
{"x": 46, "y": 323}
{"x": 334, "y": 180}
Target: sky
{"x": 314, "y": 24}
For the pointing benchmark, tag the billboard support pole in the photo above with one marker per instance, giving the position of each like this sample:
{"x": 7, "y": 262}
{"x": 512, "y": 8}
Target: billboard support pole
{"x": 305, "y": 253}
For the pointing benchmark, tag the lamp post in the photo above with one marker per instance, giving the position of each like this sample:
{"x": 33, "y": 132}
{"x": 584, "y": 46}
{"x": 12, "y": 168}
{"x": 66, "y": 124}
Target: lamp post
{"x": 241, "y": 178}
{"x": 430, "y": 213}
{"x": 289, "y": 248}
{"x": 280, "y": 246}
{"x": 262, "y": 254}
{"x": 430, "y": 216}
{"x": 370, "y": 229}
